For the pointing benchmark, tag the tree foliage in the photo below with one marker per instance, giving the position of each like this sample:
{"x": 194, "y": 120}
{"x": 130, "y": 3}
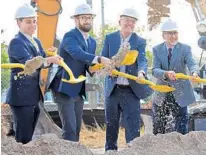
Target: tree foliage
{"x": 4, "y": 72}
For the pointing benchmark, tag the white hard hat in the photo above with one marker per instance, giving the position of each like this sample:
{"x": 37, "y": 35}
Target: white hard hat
{"x": 25, "y": 11}
{"x": 130, "y": 12}
{"x": 201, "y": 26}
{"x": 83, "y": 9}
{"x": 169, "y": 25}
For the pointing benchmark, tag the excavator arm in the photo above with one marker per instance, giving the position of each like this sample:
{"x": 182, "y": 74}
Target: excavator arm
{"x": 48, "y": 13}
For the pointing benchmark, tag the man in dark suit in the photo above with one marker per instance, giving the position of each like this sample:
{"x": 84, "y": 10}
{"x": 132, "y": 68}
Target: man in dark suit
{"x": 78, "y": 51}
{"x": 171, "y": 57}
{"x": 123, "y": 95}
{"x": 24, "y": 93}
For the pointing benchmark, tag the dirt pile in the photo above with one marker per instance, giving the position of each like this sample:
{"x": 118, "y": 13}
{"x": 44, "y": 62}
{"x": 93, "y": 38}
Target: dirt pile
{"x": 172, "y": 143}
{"x": 48, "y": 144}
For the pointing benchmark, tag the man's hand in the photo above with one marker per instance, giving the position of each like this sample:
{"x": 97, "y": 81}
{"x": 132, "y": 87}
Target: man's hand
{"x": 105, "y": 61}
{"x": 140, "y": 77}
{"x": 170, "y": 75}
{"x": 52, "y": 49}
{"x": 53, "y": 59}
{"x": 194, "y": 76}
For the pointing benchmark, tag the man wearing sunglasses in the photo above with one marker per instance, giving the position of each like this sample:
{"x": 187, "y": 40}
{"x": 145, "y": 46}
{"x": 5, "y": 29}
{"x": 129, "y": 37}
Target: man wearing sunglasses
{"x": 169, "y": 58}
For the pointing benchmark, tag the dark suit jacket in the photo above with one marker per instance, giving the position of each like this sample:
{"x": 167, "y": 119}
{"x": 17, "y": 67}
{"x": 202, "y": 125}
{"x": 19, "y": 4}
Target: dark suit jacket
{"x": 23, "y": 91}
{"x": 78, "y": 56}
{"x": 111, "y": 47}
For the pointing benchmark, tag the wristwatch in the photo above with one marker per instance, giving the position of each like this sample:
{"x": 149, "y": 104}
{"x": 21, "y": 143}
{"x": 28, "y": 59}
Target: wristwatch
{"x": 99, "y": 59}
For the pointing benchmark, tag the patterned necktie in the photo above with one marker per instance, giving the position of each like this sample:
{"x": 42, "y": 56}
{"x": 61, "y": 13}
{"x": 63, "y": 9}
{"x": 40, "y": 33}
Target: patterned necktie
{"x": 169, "y": 55}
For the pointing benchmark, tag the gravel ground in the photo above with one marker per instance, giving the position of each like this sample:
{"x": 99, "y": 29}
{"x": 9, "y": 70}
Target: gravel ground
{"x": 172, "y": 143}
{"x": 47, "y": 144}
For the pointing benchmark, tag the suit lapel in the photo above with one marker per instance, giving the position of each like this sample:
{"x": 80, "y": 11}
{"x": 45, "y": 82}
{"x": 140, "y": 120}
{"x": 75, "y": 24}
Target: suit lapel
{"x": 164, "y": 56}
{"x": 81, "y": 39}
{"x": 175, "y": 54}
{"x": 116, "y": 45}
{"x": 30, "y": 45}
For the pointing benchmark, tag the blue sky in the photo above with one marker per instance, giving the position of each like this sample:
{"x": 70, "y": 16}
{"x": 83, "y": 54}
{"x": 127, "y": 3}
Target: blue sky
{"x": 180, "y": 11}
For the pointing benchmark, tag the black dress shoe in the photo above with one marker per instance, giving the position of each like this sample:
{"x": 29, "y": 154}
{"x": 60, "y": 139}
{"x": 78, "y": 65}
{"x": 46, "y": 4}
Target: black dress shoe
{"x": 11, "y": 132}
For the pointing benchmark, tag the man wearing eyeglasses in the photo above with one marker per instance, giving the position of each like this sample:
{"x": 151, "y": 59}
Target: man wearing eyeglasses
{"x": 78, "y": 51}
{"x": 122, "y": 96}
{"x": 169, "y": 58}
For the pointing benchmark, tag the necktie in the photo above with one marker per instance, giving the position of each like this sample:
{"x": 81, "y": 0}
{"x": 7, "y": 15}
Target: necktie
{"x": 35, "y": 44}
{"x": 169, "y": 55}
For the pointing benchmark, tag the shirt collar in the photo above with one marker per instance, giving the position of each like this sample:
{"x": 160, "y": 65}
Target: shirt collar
{"x": 126, "y": 39}
{"x": 169, "y": 47}
{"x": 27, "y": 36}
{"x": 85, "y": 35}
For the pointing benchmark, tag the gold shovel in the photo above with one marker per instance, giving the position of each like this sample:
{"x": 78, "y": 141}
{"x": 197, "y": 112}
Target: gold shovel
{"x": 72, "y": 79}
{"x": 129, "y": 59}
{"x": 160, "y": 88}
{"x": 186, "y": 77}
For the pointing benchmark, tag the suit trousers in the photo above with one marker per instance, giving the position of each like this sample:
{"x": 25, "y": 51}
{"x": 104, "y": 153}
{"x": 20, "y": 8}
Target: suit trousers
{"x": 169, "y": 117}
{"x": 70, "y": 112}
{"x": 121, "y": 100}
{"x": 25, "y": 120}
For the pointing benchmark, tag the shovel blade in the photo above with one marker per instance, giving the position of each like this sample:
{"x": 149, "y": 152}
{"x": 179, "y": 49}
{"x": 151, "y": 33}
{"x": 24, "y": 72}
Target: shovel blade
{"x": 130, "y": 57}
{"x": 162, "y": 88}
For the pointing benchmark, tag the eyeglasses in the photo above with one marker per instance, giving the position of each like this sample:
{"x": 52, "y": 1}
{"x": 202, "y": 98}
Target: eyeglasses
{"x": 171, "y": 33}
{"x": 86, "y": 18}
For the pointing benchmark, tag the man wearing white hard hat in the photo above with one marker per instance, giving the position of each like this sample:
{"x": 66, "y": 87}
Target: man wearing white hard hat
{"x": 24, "y": 93}
{"x": 122, "y": 96}
{"x": 78, "y": 50}
{"x": 169, "y": 58}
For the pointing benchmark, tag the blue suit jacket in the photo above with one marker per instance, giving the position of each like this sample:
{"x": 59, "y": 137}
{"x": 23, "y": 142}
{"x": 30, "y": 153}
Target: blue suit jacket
{"x": 181, "y": 58}
{"x": 78, "y": 56}
{"x": 24, "y": 91}
{"x": 111, "y": 47}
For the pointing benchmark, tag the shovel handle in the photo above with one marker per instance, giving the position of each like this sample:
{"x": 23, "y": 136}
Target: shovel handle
{"x": 186, "y": 77}
{"x": 12, "y": 65}
{"x": 132, "y": 77}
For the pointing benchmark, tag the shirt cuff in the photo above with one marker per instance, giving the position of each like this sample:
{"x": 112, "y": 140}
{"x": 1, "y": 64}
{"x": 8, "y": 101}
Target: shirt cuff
{"x": 95, "y": 60}
{"x": 141, "y": 71}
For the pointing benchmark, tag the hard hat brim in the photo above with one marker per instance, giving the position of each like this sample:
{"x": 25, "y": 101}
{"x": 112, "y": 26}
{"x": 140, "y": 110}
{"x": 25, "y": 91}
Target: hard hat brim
{"x": 73, "y": 16}
{"x": 26, "y": 16}
{"x": 129, "y": 16}
{"x": 168, "y": 30}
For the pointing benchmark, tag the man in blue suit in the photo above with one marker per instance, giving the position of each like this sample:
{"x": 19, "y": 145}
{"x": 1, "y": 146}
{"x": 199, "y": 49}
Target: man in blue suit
{"x": 170, "y": 57}
{"x": 24, "y": 93}
{"x": 78, "y": 51}
{"x": 123, "y": 95}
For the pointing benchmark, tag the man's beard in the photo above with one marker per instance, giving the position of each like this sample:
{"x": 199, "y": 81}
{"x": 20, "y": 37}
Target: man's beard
{"x": 84, "y": 28}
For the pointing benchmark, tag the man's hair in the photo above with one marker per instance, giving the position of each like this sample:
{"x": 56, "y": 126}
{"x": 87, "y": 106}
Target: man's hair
{"x": 20, "y": 19}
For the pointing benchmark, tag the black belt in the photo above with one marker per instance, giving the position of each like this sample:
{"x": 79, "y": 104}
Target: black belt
{"x": 122, "y": 86}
